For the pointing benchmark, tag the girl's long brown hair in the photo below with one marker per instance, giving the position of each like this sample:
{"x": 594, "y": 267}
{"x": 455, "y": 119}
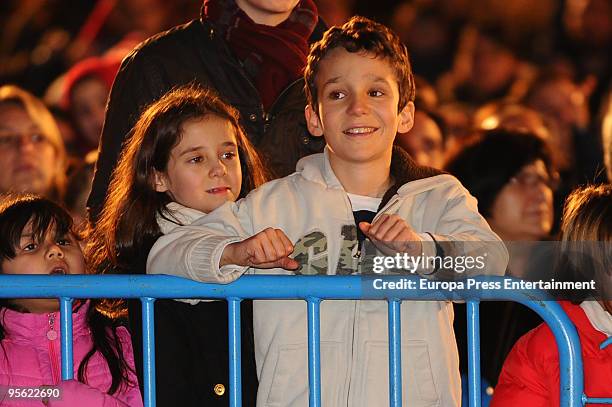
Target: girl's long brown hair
{"x": 127, "y": 226}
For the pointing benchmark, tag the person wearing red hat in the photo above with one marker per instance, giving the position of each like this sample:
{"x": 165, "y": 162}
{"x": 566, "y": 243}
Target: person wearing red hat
{"x": 86, "y": 88}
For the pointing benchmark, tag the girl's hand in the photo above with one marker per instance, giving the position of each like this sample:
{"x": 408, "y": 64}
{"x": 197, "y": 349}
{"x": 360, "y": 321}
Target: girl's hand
{"x": 269, "y": 248}
{"x": 391, "y": 234}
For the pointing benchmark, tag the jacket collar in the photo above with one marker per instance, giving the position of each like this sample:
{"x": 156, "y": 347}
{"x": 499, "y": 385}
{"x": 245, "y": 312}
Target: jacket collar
{"x": 33, "y": 327}
{"x": 317, "y": 168}
{"x": 177, "y": 215}
{"x": 584, "y": 326}
{"x": 598, "y": 316}
{"x": 410, "y": 177}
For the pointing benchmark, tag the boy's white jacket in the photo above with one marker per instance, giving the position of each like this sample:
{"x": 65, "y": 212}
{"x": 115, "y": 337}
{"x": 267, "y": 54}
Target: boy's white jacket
{"x": 309, "y": 204}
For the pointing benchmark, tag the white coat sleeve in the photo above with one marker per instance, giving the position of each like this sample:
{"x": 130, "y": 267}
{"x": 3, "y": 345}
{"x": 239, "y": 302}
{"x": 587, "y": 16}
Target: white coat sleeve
{"x": 462, "y": 232}
{"x": 194, "y": 251}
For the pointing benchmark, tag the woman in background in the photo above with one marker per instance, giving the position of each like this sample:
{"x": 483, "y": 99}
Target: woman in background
{"x": 31, "y": 147}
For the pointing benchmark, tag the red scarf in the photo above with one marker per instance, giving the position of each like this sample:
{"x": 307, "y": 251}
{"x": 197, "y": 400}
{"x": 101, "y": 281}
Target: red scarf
{"x": 272, "y": 56}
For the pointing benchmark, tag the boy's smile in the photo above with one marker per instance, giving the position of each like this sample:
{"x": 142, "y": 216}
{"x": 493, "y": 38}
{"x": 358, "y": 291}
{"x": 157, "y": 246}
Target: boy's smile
{"x": 358, "y": 98}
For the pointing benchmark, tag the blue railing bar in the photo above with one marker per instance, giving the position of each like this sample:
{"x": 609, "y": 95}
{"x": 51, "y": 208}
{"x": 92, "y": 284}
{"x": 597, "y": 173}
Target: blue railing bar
{"x": 605, "y": 343}
{"x": 292, "y": 287}
{"x": 473, "y": 331}
{"x": 395, "y": 353}
{"x": 314, "y": 351}
{"x": 596, "y": 400}
{"x": 235, "y": 351}
{"x": 571, "y": 375}
{"x": 163, "y": 286}
{"x": 66, "y": 337}
{"x": 252, "y": 287}
{"x": 148, "y": 350}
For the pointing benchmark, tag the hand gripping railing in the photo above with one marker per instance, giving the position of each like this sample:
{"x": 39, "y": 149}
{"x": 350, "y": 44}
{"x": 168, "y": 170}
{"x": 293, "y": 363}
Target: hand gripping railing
{"x": 313, "y": 289}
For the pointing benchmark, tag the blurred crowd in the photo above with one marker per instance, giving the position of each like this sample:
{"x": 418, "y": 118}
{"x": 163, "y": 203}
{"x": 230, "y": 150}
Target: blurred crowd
{"x": 535, "y": 74}
{"x": 543, "y": 67}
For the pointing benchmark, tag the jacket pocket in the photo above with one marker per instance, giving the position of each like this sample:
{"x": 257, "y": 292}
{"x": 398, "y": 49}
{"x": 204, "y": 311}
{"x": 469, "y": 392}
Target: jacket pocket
{"x": 289, "y": 366}
{"x": 289, "y": 384}
{"x": 418, "y": 386}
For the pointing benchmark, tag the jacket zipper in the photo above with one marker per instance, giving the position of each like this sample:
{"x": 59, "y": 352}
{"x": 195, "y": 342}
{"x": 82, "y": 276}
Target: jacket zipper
{"x": 352, "y": 360}
{"x": 52, "y": 337}
{"x": 392, "y": 202}
{"x": 359, "y": 255}
{"x": 353, "y": 320}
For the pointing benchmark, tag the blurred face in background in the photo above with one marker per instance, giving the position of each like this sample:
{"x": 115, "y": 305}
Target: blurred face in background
{"x": 596, "y": 26}
{"x": 493, "y": 66}
{"x": 563, "y": 102}
{"x": 88, "y": 108}
{"x": 513, "y": 117}
{"x": 523, "y": 209}
{"x": 564, "y": 108}
{"x": 29, "y": 158}
{"x": 424, "y": 142}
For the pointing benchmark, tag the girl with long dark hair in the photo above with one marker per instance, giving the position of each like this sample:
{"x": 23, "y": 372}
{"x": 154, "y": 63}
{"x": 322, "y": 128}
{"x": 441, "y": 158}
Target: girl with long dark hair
{"x": 187, "y": 156}
{"x": 36, "y": 238}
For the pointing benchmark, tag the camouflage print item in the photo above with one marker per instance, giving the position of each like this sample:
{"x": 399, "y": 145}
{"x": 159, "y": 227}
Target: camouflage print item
{"x": 368, "y": 252}
{"x": 311, "y": 252}
{"x": 348, "y": 261}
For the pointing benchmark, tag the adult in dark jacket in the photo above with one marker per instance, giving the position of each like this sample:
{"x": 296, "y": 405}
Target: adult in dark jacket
{"x": 252, "y": 53}
{"x": 200, "y": 52}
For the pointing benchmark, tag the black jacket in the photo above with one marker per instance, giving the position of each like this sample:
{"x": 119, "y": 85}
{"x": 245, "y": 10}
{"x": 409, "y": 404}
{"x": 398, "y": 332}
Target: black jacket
{"x": 194, "y": 53}
{"x": 191, "y": 341}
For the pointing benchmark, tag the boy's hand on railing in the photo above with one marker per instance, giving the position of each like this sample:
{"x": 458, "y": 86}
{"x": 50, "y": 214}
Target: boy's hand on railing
{"x": 391, "y": 234}
{"x": 269, "y": 248}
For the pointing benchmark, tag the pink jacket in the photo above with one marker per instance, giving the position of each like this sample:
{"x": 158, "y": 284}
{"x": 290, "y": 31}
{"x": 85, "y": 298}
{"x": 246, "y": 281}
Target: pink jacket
{"x": 30, "y": 357}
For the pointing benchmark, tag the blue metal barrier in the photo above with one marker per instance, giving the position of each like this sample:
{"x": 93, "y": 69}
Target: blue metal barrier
{"x": 313, "y": 289}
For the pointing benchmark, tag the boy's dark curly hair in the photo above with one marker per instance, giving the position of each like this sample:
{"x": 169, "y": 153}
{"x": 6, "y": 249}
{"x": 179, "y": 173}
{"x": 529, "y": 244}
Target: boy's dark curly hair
{"x": 360, "y": 34}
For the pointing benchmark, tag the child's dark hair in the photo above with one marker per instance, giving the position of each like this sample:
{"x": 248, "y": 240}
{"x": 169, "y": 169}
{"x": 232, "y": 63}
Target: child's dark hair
{"x": 128, "y": 226}
{"x": 586, "y": 240}
{"x": 16, "y": 211}
{"x": 360, "y": 34}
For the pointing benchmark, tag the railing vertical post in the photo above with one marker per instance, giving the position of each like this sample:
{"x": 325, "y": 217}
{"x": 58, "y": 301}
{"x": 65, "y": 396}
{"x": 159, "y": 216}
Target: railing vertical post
{"x": 395, "y": 353}
{"x": 473, "y": 331}
{"x": 314, "y": 351}
{"x": 66, "y": 337}
{"x": 571, "y": 371}
{"x": 235, "y": 354}
{"x": 148, "y": 350}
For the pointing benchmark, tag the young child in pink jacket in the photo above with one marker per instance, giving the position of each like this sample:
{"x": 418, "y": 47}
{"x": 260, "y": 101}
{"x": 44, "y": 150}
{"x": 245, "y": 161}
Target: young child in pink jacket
{"x": 36, "y": 238}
